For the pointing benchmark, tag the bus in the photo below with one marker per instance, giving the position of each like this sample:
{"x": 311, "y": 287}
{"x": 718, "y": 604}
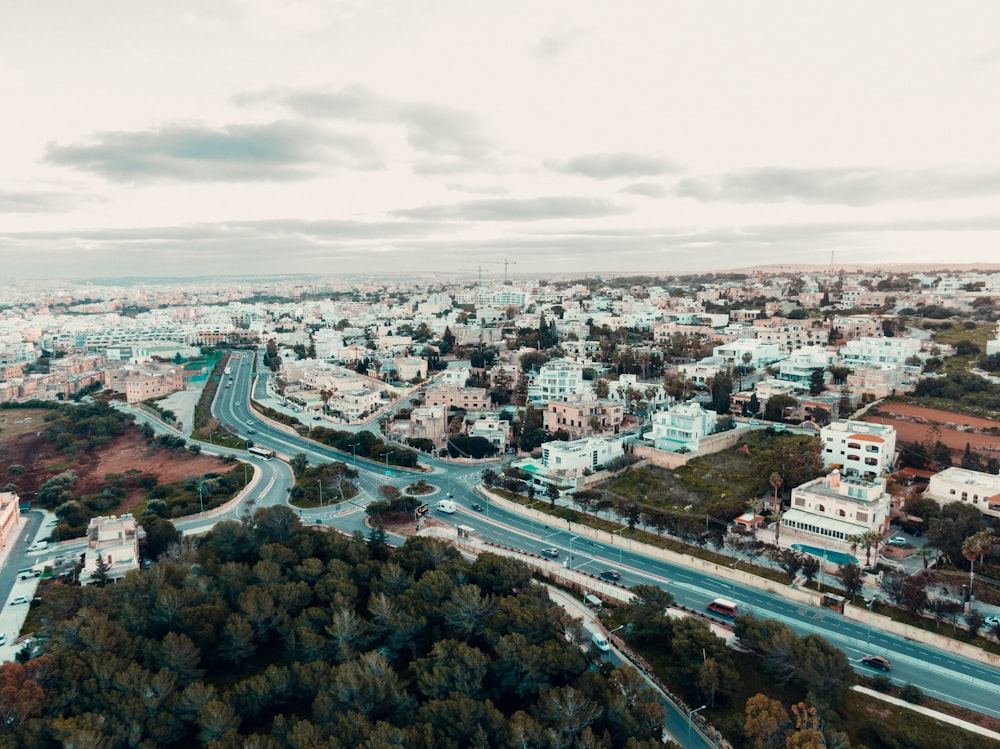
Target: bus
{"x": 722, "y": 606}
{"x": 261, "y": 452}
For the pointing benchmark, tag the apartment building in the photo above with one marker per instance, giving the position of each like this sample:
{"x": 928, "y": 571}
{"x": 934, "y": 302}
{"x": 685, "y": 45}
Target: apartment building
{"x": 556, "y": 380}
{"x": 563, "y": 463}
{"x": 583, "y": 415}
{"x": 491, "y": 428}
{"x": 869, "y": 350}
{"x": 681, "y": 427}
{"x": 800, "y": 365}
{"x": 838, "y": 508}
{"x": 880, "y": 380}
{"x": 789, "y": 335}
{"x": 429, "y": 422}
{"x": 858, "y": 448}
{"x": 981, "y": 490}
{"x": 469, "y": 399}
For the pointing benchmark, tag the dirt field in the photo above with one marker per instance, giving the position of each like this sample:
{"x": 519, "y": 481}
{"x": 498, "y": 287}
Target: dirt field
{"x": 913, "y": 423}
{"x": 21, "y": 444}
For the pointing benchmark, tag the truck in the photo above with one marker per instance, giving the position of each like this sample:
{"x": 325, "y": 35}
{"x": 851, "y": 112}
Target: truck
{"x": 445, "y": 505}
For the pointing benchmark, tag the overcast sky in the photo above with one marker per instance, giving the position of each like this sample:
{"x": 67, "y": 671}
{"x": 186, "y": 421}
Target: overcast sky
{"x": 265, "y": 136}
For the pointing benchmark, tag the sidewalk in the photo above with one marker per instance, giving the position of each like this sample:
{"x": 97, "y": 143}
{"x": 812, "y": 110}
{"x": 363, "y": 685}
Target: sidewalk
{"x": 943, "y": 717}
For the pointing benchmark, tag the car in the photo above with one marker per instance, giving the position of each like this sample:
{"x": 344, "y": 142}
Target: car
{"x": 18, "y": 599}
{"x": 52, "y": 524}
{"x": 3, "y": 638}
{"x": 877, "y": 661}
{"x": 236, "y": 403}
{"x": 477, "y": 507}
{"x": 991, "y": 622}
{"x": 39, "y": 546}
{"x": 611, "y": 575}
{"x": 601, "y": 642}
{"x": 25, "y": 574}
{"x": 550, "y": 551}
{"x": 898, "y": 541}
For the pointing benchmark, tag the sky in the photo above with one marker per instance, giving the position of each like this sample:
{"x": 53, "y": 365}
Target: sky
{"x": 198, "y": 138}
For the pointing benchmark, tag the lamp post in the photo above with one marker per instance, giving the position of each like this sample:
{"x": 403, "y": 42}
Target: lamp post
{"x": 201, "y": 497}
{"x": 571, "y": 540}
{"x": 354, "y": 452}
{"x": 621, "y": 542}
{"x": 387, "y": 471}
{"x": 320, "y": 482}
{"x": 691, "y": 713}
{"x": 245, "y": 480}
{"x": 868, "y": 639}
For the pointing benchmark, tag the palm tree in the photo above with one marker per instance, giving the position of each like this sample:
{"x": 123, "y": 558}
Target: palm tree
{"x": 854, "y": 540}
{"x": 870, "y": 539}
{"x": 776, "y": 482}
{"x": 976, "y": 546}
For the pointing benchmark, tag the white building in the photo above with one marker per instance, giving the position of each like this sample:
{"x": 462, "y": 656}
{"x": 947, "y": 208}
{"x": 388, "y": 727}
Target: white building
{"x": 563, "y": 463}
{"x": 556, "y": 380}
{"x": 496, "y": 430}
{"x": 879, "y": 351}
{"x": 981, "y": 490}
{"x": 681, "y": 427}
{"x": 858, "y": 448}
{"x": 761, "y": 353}
{"x": 993, "y": 347}
{"x": 837, "y": 508}
{"x": 116, "y": 541}
{"x": 800, "y": 365}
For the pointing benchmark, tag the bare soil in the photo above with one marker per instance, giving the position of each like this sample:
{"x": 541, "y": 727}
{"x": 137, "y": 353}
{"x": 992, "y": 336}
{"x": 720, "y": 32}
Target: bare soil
{"x": 914, "y": 424}
{"x": 30, "y": 448}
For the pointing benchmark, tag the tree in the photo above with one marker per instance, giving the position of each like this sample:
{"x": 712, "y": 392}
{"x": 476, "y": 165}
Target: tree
{"x": 299, "y": 463}
{"x": 765, "y": 723}
{"x": 852, "y": 578}
{"x": 552, "y": 492}
{"x": 810, "y": 567}
{"x": 976, "y": 546}
{"x": 101, "y": 569}
{"x": 816, "y": 382}
{"x": 774, "y": 409}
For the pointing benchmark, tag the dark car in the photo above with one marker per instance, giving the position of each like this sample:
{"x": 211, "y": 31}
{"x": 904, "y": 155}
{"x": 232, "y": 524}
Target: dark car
{"x": 611, "y": 575}
{"x": 877, "y": 661}
{"x": 477, "y": 507}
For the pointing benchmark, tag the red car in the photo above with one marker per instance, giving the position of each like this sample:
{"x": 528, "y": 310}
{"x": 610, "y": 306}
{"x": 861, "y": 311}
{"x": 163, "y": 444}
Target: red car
{"x": 877, "y": 661}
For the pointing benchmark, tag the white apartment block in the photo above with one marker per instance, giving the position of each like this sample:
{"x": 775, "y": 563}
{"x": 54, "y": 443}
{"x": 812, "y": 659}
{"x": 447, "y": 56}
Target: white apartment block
{"x": 789, "y": 335}
{"x": 879, "y": 380}
{"x": 836, "y": 508}
{"x": 761, "y": 353}
{"x": 116, "y": 540}
{"x": 681, "y": 427}
{"x": 993, "y": 347}
{"x": 556, "y": 380}
{"x": 563, "y": 463}
{"x": 800, "y": 365}
{"x": 859, "y": 448}
{"x": 454, "y": 375}
{"x": 981, "y": 490}
{"x": 879, "y": 351}
{"x": 355, "y": 403}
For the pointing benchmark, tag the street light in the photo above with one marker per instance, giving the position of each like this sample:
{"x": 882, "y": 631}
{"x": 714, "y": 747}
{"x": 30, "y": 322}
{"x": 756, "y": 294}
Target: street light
{"x": 201, "y": 497}
{"x": 572, "y": 539}
{"x": 687, "y": 744}
{"x": 868, "y": 639}
{"x": 621, "y": 542}
{"x": 387, "y": 471}
{"x": 354, "y": 452}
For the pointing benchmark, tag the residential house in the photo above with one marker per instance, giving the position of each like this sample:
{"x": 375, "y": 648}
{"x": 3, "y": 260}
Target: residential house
{"x": 116, "y": 541}
{"x": 583, "y": 415}
{"x": 858, "y": 448}
{"x": 981, "y": 490}
{"x": 837, "y": 508}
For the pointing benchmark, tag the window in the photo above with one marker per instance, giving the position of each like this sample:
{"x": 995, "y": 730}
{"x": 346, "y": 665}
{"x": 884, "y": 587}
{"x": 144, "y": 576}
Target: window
{"x": 853, "y": 446}
{"x": 853, "y": 457}
{"x": 871, "y": 462}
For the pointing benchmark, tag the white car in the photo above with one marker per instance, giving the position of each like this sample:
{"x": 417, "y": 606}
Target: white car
{"x": 551, "y": 551}
{"x": 17, "y": 600}
{"x": 991, "y": 622}
{"x": 897, "y": 541}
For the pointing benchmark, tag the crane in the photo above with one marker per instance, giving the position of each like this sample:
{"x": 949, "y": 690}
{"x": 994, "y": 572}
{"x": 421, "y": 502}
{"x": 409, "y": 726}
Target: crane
{"x": 507, "y": 262}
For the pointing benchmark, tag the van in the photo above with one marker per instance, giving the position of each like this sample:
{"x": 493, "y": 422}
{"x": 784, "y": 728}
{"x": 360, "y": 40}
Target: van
{"x": 601, "y": 642}
{"x": 28, "y": 572}
{"x": 593, "y": 602}
{"x": 445, "y": 505}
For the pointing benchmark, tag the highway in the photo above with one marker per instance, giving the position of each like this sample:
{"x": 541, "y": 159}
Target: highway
{"x": 939, "y": 674}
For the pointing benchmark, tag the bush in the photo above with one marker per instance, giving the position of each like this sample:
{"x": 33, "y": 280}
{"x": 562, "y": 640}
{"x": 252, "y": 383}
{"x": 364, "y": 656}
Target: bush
{"x": 882, "y": 683}
{"x": 912, "y": 694}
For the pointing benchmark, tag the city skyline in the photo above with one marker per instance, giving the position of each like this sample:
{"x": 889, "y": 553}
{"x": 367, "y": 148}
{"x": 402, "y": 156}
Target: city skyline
{"x": 269, "y": 137}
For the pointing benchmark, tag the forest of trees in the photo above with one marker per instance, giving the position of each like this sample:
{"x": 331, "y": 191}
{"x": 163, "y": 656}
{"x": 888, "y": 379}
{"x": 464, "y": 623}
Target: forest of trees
{"x": 270, "y": 634}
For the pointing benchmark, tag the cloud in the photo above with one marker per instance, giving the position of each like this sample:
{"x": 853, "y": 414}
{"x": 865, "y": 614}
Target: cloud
{"x": 431, "y": 128}
{"x": 648, "y": 189}
{"x": 516, "y": 209}
{"x": 847, "y": 186}
{"x": 38, "y": 202}
{"x": 277, "y": 151}
{"x": 612, "y": 165}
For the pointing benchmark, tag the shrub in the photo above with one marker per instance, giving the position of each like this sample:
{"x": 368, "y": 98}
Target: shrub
{"x": 912, "y": 694}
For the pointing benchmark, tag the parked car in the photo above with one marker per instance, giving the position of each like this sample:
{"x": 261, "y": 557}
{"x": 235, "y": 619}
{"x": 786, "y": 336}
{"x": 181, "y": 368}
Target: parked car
{"x": 877, "y": 661}
{"x": 550, "y": 551}
{"x": 18, "y": 599}
{"x": 29, "y": 572}
{"x": 898, "y": 541}
{"x": 991, "y": 621}
{"x": 611, "y": 575}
